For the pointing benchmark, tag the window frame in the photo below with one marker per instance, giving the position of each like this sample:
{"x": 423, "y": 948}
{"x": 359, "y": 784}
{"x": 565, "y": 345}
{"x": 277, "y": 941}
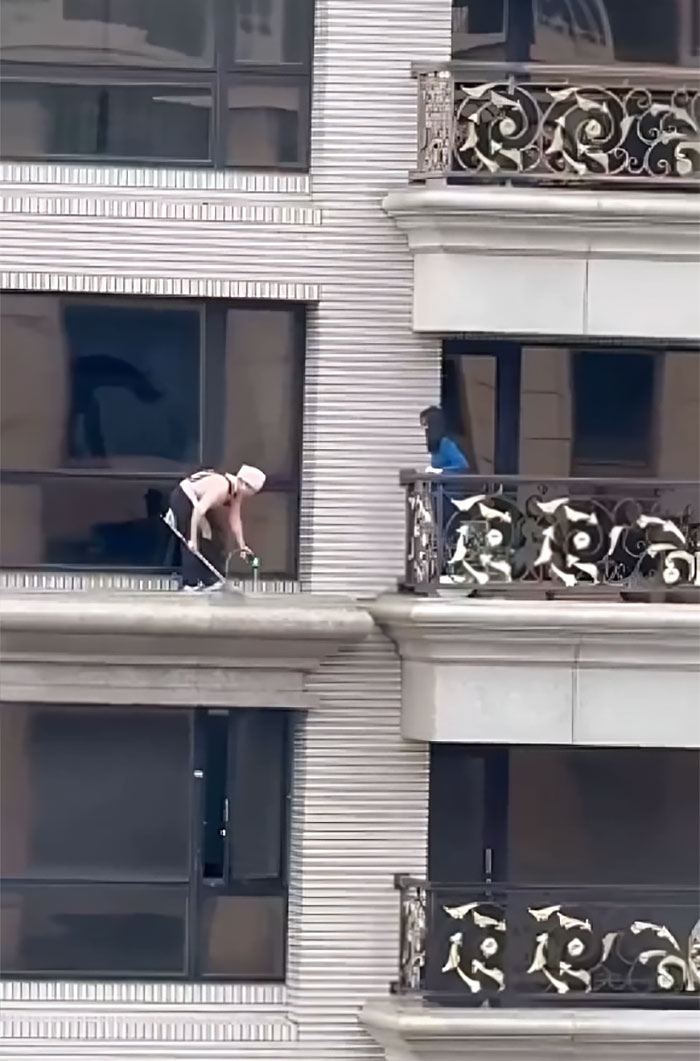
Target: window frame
{"x": 212, "y": 314}
{"x": 193, "y": 888}
{"x": 225, "y": 72}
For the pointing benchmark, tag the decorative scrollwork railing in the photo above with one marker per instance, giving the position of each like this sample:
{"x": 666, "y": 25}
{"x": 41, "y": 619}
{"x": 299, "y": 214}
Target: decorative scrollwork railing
{"x": 508, "y": 533}
{"x": 549, "y": 123}
{"x": 483, "y": 943}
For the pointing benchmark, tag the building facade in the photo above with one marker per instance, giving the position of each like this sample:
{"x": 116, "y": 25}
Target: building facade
{"x": 230, "y": 823}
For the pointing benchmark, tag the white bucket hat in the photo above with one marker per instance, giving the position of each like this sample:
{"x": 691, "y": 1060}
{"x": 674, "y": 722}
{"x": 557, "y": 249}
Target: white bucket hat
{"x": 253, "y": 477}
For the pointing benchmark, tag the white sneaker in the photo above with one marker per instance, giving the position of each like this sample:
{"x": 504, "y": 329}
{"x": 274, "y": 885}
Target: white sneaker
{"x": 194, "y": 589}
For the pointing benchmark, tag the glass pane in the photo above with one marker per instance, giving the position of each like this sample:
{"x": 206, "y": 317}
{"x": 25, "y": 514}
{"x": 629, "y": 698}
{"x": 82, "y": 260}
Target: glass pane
{"x": 254, "y": 396}
{"x": 469, "y": 403}
{"x": 272, "y": 32}
{"x": 264, "y": 127}
{"x": 610, "y": 31}
{"x": 101, "y": 384}
{"x": 171, "y": 33}
{"x": 97, "y": 792}
{"x": 243, "y": 936}
{"x": 270, "y": 523}
{"x": 479, "y": 29}
{"x": 613, "y": 404}
{"x": 258, "y": 776}
{"x": 608, "y": 816}
{"x": 86, "y": 522}
{"x": 93, "y": 931}
{"x": 120, "y": 121}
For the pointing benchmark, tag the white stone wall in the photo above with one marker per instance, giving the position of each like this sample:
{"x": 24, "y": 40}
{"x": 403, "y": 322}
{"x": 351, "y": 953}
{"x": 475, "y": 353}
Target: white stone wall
{"x": 360, "y": 803}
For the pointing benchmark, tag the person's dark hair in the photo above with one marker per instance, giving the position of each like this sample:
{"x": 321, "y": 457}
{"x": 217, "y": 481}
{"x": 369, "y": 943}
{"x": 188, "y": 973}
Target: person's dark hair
{"x": 435, "y": 427}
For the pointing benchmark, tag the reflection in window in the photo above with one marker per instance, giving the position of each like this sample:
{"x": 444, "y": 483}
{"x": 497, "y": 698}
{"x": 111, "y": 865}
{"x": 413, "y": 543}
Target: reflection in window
{"x": 576, "y": 31}
{"x": 105, "y": 404}
{"x": 103, "y": 811}
{"x": 268, "y": 32}
{"x": 166, "y": 33}
{"x": 139, "y": 80}
{"x": 264, "y": 125}
{"x": 111, "y": 121}
{"x": 572, "y": 412}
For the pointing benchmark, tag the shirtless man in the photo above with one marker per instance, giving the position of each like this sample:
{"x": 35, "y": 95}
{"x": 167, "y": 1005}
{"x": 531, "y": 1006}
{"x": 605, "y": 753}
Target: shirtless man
{"x": 208, "y": 503}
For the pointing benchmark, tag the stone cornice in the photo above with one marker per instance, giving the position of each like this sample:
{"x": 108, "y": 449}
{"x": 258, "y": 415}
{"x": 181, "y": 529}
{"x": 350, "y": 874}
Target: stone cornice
{"x": 532, "y": 221}
{"x": 224, "y": 649}
{"x": 449, "y": 625}
{"x": 414, "y": 1032}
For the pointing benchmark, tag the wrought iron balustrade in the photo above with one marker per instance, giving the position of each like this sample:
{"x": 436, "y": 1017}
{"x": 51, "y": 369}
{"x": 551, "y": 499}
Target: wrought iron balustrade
{"x": 499, "y": 534}
{"x": 499, "y": 944}
{"x": 518, "y": 122}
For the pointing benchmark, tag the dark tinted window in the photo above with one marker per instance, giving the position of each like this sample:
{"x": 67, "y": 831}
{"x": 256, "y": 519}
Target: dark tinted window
{"x": 106, "y": 404}
{"x": 103, "y": 813}
{"x": 553, "y": 410}
{"x": 104, "y": 793}
{"x": 613, "y": 405}
{"x": 93, "y": 931}
{"x": 264, "y": 124}
{"x": 219, "y": 82}
{"x": 598, "y": 32}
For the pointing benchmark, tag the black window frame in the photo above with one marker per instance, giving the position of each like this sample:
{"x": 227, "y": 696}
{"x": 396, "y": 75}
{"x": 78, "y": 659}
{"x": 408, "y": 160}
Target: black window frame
{"x": 225, "y": 72}
{"x": 212, "y": 344}
{"x": 194, "y": 888}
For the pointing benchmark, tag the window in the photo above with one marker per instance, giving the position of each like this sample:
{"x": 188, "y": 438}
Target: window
{"x": 598, "y": 32}
{"x": 536, "y": 815}
{"x": 143, "y": 842}
{"x": 613, "y": 402}
{"x": 212, "y": 82}
{"x": 106, "y": 404}
{"x": 559, "y": 410}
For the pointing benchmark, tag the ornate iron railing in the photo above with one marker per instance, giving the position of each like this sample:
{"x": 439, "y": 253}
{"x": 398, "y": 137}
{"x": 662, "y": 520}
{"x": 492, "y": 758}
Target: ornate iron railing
{"x": 471, "y": 944}
{"x": 513, "y": 534}
{"x": 519, "y": 122}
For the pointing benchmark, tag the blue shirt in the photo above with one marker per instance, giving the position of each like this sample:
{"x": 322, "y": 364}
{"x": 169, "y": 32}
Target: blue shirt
{"x": 449, "y": 457}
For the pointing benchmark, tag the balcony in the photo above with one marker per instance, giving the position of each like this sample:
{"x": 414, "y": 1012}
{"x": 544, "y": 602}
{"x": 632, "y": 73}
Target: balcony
{"x": 555, "y": 200}
{"x": 517, "y": 123}
{"x": 507, "y": 945}
{"x": 563, "y": 537}
{"x": 556, "y": 613}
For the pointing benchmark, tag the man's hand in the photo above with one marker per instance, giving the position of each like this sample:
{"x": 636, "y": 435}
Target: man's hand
{"x": 192, "y": 546}
{"x": 245, "y": 551}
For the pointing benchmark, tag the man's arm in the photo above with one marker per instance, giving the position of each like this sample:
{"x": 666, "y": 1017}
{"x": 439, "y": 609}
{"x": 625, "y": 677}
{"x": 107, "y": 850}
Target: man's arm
{"x": 236, "y": 525}
{"x": 213, "y": 495}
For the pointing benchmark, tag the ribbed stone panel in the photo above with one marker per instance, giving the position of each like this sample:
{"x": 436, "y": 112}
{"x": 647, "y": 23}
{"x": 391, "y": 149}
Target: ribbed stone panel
{"x": 363, "y": 815}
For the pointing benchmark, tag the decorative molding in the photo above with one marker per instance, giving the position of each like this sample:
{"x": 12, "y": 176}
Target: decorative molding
{"x": 157, "y": 208}
{"x": 532, "y": 221}
{"x": 134, "y": 993}
{"x": 85, "y": 581}
{"x": 159, "y": 286}
{"x": 225, "y": 649}
{"x": 153, "y": 178}
{"x": 623, "y": 264}
{"x": 177, "y": 1029}
{"x": 564, "y": 672}
{"x": 427, "y": 1033}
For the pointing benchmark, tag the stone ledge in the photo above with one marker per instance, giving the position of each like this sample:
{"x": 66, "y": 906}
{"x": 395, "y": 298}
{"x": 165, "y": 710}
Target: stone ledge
{"x": 226, "y": 649}
{"x": 546, "y": 672}
{"x": 410, "y": 1031}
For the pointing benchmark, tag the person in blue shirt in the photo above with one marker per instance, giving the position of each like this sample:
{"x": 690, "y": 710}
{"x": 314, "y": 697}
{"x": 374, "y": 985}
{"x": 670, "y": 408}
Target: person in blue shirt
{"x": 445, "y": 455}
